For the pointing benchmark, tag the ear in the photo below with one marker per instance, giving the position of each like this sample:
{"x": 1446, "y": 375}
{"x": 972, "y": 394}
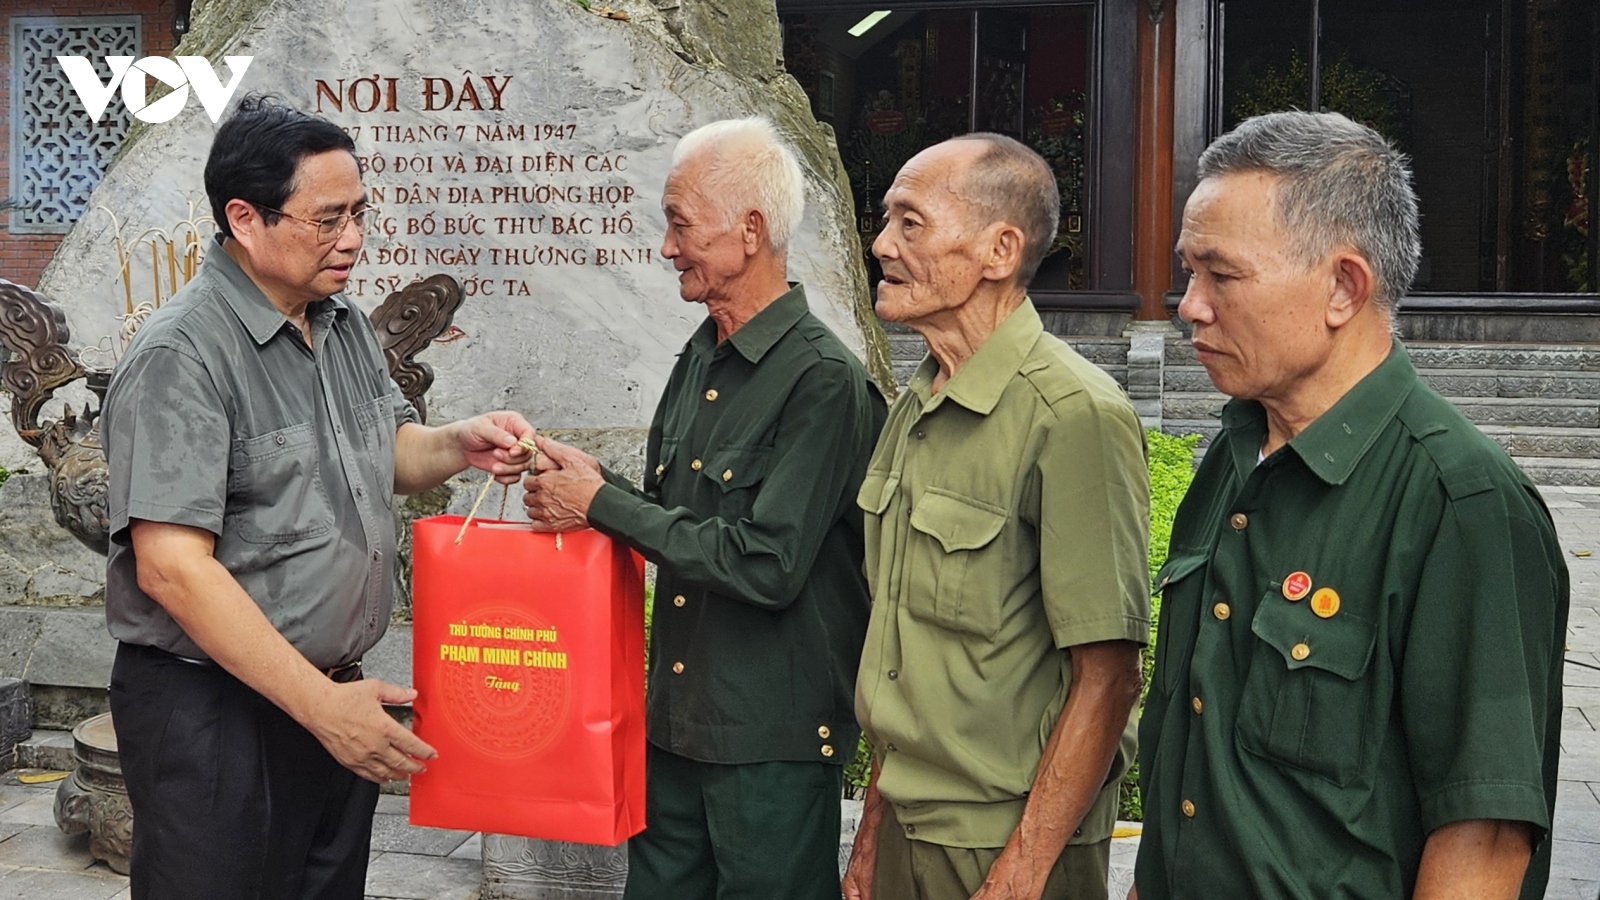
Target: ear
{"x": 753, "y": 231}
{"x": 1353, "y": 284}
{"x": 1004, "y": 244}
{"x": 245, "y": 221}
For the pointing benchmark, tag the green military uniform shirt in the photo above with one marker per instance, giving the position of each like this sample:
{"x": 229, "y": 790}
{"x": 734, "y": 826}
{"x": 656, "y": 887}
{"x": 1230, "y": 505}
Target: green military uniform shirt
{"x": 1360, "y": 641}
{"x": 748, "y": 507}
{"x": 1007, "y": 519}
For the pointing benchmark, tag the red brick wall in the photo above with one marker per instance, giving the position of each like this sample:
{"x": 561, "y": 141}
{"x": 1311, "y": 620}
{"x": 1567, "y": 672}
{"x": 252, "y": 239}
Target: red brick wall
{"x": 24, "y": 256}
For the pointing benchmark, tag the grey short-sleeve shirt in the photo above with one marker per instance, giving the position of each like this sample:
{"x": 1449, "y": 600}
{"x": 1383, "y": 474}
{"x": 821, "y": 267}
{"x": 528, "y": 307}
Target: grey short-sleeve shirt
{"x": 220, "y": 417}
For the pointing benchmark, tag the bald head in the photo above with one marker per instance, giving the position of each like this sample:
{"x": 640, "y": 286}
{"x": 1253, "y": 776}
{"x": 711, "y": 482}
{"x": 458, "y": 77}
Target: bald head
{"x": 1005, "y": 181}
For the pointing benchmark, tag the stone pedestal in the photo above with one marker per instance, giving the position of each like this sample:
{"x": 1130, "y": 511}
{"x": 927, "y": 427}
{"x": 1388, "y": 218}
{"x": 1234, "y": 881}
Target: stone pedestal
{"x": 94, "y": 798}
{"x": 1147, "y": 351}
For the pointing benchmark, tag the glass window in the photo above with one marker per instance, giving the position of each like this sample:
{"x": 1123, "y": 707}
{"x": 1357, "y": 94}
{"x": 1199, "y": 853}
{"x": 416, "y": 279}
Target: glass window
{"x": 1493, "y": 100}
{"x": 893, "y": 82}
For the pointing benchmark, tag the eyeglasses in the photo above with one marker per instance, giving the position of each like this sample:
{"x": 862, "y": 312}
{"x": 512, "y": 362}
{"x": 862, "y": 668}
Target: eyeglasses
{"x": 330, "y": 228}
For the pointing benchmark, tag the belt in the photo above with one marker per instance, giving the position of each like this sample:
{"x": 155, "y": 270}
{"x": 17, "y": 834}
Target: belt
{"x": 345, "y": 673}
{"x": 341, "y": 674}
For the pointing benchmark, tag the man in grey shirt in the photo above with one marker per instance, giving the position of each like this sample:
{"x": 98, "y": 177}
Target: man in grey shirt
{"x": 255, "y": 444}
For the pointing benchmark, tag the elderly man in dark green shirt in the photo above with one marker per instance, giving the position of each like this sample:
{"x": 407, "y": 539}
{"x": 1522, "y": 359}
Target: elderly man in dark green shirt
{"x": 1007, "y": 516}
{"x": 1358, "y": 690}
{"x": 754, "y": 458}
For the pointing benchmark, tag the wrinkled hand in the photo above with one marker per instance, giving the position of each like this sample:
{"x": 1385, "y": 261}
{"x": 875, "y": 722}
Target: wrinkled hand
{"x": 558, "y": 497}
{"x": 350, "y": 722}
{"x": 554, "y": 456}
{"x": 1133, "y": 892}
{"x": 1009, "y": 880}
{"x": 863, "y": 868}
{"x": 490, "y": 442}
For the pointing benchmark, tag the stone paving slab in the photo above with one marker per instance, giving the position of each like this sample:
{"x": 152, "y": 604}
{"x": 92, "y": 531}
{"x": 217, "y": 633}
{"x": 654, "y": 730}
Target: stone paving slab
{"x": 409, "y": 876}
{"x": 391, "y": 833}
{"x": 49, "y": 884}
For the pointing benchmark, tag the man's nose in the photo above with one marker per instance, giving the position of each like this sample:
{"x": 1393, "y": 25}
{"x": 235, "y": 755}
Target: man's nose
{"x": 882, "y": 245}
{"x": 1194, "y": 307}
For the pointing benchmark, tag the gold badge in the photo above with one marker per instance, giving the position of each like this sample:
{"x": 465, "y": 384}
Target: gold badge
{"x": 1325, "y": 603}
{"x": 1297, "y": 586}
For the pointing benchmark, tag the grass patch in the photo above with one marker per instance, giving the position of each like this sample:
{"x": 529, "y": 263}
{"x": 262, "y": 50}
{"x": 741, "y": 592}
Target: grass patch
{"x": 1171, "y": 470}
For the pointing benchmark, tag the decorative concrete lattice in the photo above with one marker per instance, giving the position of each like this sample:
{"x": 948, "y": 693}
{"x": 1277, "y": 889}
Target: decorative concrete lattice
{"x": 58, "y": 153}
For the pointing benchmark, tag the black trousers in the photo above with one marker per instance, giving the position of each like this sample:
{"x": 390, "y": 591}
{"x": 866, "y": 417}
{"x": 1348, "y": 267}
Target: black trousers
{"x": 231, "y": 797}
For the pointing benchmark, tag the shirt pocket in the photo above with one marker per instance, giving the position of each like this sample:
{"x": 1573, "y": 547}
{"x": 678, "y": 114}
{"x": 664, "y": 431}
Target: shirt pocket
{"x": 1181, "y": 584}
{"x": 275, "y": 490}
{"x": 738, "y": 472}
{"x": 1310, "y": 698}
{"x": 955, "y": 577}
{"x": 877, "y": 491}
{"x": 378, "y": 433}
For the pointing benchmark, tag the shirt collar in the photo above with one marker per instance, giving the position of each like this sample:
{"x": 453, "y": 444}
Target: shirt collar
{"x": 983, "y": 378}
{"x": 255, "y": 311}
{"x": 765, "y": 328}
{"x": 1332, "y": 445}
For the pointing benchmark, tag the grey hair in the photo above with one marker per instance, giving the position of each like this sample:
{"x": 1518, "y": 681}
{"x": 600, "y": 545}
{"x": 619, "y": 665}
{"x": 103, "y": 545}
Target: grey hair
{"x": 750, "y": 167}
{"x": 1011, "y": 183}
{"x": 1340, "y": 182}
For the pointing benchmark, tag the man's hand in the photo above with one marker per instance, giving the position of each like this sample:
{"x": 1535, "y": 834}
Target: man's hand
{"x": 558, "y": 499}
{"x": 862, "y": 872}
{"x": 1133, "y": 892}
{"x": 349, "y": 721}
{"x": 490, "y": 442}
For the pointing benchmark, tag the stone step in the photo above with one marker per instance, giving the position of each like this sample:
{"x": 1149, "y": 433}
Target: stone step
{"x": 1535, "y": 441}
{"x": 1544, "y": 412}
{"x": 1561, "y": 471}
{"x": 1438, "y": 355}
{"x": 46, "y": 749}
{"x": 1449, "y": 382}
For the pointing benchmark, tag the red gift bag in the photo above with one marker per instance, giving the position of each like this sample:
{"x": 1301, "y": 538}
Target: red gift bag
{"x": 528, "y": 660}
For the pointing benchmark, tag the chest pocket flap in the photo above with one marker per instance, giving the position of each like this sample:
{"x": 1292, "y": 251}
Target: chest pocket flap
{"x": 877, "y": 489}
{"x": 737, "y": 467}
{"x": 1178, "y": 567}
{"x": 958, "y": 523}
{"x": 1341, "y": 645}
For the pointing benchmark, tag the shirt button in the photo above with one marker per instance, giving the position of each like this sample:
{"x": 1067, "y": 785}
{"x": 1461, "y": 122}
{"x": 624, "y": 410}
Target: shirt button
{"x": 1198, "y": 706}
{"x": 911, "y": 829}
{"x": 679, "y": 600}
{"x": 1300, "y": 651}
{"x": 727, "y": 474}
{"x": 824, "y": 732}
{"x": 677, "y": 668}
{"x": 377, "y": 554}
{"x": 1221, "y": 611}
{"x": 1188, "y": 808}
{"x": 711, "y": 395}
{"x": 660, "y": 470}
{"x": 894, "y": 674}
{"x": 921, "y": 434}
{"x": 827, "y": 750}
{"x": 892, "y": 748}
{"x": 1238, "y": 521}
{"x": 280, "y": 440}
{"x": 697, "y": 465}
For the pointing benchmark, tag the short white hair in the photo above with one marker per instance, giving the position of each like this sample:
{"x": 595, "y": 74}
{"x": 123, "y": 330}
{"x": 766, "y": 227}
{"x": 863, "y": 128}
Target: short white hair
{"x": 749, "y": 167}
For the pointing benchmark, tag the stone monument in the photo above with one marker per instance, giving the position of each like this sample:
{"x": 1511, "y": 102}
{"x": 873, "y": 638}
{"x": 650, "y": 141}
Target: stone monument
{"x": 520, "y": 148}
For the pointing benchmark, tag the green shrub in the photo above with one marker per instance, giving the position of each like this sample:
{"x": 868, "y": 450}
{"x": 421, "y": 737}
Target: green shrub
{"x": 4, "y": 475}
{"x": 1171, "y": 470}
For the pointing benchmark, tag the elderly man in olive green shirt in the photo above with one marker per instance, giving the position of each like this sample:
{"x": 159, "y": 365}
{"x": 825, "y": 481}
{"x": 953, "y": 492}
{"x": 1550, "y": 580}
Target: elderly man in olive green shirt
{"x": 1358, "y": 689}
{"x": 1007, "y": 512}
{"x": 748, "y": 507}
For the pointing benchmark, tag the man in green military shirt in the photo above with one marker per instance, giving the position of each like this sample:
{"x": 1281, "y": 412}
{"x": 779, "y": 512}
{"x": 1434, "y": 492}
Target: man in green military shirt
{"x": 1358, "y": 684}
{"x": 752, "y": 466}
{"x": 1007, "y": 518}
